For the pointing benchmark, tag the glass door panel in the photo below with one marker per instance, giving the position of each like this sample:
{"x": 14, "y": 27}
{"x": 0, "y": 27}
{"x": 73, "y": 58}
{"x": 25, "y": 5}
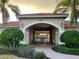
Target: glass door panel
{"x": 42, "y": 36}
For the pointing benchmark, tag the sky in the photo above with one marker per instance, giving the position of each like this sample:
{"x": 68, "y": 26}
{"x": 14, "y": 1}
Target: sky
{"x": 35, "y": 6}
{"x": 31, "y": 6}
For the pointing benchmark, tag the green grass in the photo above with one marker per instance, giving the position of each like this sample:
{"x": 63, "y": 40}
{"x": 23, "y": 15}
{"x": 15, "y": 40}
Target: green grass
{"x": 9, "y": 57}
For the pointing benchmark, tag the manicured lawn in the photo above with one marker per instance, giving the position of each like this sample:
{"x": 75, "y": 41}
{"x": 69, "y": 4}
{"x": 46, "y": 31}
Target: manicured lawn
{"x": 10, "y": 57}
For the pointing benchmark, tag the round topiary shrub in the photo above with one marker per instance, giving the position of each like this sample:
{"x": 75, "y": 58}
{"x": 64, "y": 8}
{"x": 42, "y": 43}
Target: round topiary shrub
{"x": 71, "y": 38}
{"x": 10, "y": 37}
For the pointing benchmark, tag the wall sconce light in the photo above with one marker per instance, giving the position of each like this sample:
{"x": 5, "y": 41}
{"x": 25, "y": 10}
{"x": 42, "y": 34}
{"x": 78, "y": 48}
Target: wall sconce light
{"x": 21, "y": 25}
{"x": 62, "y": 25}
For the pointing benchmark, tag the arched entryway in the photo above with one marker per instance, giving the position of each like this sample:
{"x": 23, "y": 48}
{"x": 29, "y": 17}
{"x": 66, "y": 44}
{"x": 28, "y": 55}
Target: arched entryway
{"x": 41, "y": 32}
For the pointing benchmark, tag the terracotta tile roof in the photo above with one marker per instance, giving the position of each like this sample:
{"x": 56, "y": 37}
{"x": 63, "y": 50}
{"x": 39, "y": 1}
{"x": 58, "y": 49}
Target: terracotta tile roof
{"x": 67, "y": 24}
{"x": 14, "y": 24}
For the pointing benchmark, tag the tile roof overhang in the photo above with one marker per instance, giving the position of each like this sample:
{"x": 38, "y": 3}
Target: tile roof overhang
{"x": 41, "y": 16}
{"x": 11, "y": 24}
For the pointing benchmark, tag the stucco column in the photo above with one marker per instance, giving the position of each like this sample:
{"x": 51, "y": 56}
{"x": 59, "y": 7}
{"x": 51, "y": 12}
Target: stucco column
{"x": 26, "y": 36}
{"x": 57, "y": 37}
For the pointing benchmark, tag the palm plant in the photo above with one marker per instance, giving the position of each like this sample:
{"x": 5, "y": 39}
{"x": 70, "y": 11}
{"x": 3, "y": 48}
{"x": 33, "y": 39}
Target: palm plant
{"x": 72, "y": 5}
{"x": 3, "y": 7}
{"x": 60, "y": 11}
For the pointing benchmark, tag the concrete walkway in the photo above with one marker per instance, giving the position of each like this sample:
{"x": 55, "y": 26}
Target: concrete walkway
{"x": 54, "y": 55}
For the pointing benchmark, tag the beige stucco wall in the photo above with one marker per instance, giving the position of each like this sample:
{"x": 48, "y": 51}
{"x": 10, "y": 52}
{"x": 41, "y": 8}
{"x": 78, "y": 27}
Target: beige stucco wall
{"x": 54, "y": 21}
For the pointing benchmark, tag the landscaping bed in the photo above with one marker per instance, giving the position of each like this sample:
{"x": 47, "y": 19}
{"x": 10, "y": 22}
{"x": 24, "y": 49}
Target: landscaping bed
{"x": 21, "y": 51}
{"x": 71, "y": 43}
{"x": 63, "y": 49}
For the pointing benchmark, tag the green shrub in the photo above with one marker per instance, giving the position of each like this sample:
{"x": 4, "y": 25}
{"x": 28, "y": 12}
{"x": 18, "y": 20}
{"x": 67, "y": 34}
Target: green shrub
{"x": 10, "y": 37}
{"x": 64, "y": 49}
{"x": 71, "y": 38}
{"x": 25, "y": 51}
{"x": 21, "y": 51}
{"x": 39, "y": 55}
{"x": 7, "y": 51}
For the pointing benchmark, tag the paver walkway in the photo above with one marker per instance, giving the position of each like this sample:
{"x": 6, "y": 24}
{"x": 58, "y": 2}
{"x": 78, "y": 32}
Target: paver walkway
{"x": 54, "y": 55}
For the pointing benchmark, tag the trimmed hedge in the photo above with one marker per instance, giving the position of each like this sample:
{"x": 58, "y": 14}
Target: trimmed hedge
{"x": 25, "y": 51}
{"x": 70, "y": 38}
{"x": 22, "y": 51}
{"x": 63, "y": 49}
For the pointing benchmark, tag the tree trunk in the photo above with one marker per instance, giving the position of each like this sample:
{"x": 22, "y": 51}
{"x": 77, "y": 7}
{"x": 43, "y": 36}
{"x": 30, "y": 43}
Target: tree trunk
{"x": 5, "y": 16}
{"x": 9, "y": 44}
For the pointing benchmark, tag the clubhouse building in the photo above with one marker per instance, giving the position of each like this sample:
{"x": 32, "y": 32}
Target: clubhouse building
{"x": 42, "y": 28}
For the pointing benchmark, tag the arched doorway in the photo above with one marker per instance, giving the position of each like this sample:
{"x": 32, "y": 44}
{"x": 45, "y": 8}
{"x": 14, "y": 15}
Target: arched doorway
{"x": 43, "y": 33}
